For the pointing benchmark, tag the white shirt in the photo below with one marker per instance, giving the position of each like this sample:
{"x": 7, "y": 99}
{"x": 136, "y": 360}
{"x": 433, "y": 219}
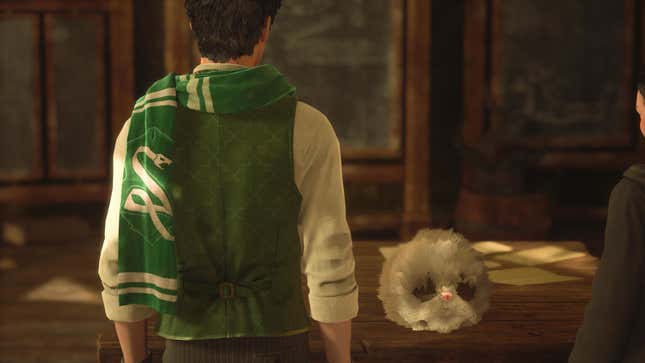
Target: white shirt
{"x": 327, "y": 260}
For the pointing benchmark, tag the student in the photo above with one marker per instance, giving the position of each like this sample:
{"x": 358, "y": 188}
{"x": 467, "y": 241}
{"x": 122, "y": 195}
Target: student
{"x": 613, "y": 329}
{"x": 226, "y": 189}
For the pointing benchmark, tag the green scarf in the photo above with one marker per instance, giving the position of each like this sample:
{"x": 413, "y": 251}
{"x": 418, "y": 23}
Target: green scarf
{"x": 147, "y": 272}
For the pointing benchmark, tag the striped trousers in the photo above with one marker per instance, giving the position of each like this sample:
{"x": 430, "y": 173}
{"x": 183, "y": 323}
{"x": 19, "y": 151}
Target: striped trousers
{"x": 272, "y": 349}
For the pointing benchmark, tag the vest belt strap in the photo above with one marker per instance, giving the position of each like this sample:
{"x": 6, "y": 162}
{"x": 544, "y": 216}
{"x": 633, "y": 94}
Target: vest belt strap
{"x": 226, "y": 289}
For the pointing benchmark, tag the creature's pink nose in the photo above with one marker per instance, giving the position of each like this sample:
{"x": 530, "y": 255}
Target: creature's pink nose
{"x": 446, "y": 296}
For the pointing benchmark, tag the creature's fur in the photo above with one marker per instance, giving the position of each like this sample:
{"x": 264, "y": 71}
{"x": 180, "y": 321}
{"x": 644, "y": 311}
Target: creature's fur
{"x": 443, "y": 256}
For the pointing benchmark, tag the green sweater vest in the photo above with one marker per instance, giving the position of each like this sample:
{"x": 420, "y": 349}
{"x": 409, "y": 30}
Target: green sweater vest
{"x": 236, "y": 211}
{"x": 209, "y": 208}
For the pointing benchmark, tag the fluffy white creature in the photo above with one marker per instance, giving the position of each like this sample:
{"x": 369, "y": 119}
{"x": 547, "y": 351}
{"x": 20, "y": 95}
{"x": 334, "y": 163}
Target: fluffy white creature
{"x": 436, "y": 281}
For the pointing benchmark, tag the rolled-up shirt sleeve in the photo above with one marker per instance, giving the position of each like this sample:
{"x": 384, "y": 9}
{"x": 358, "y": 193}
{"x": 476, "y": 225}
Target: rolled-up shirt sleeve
{"x": 328, "y": 259}
{"x": 108, "y": 261}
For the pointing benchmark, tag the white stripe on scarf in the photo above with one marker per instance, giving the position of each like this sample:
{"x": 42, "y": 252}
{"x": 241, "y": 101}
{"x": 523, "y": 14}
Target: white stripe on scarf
{"x": 148, "y": 290}
{"x": 193, "y": 97}
{"x": 153, "y": 95}
{"x": 208, "y": 100}
{"x": 158, "y": 103}
{"x": 163, "y": 282}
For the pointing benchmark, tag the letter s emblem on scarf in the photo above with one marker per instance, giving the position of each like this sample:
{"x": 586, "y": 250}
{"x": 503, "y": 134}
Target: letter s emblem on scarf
{"x": 148, "y": 205}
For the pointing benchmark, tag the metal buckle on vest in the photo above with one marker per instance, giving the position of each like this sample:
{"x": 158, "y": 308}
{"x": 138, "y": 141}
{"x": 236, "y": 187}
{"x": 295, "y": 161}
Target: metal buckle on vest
{"x": 226, "y": 290}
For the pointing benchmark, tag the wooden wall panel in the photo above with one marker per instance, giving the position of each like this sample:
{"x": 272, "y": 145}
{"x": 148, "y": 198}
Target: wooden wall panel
{"x": 121, "y": 63}
{"x": 149, "y": 51}
{"x": 549, "y": 88}
{"x": 77, "y": 104}
{"x": 178, "y": 38}
{"x": 76, "y": 95}
{"x": 564, "y": 97}
{"x": 20, "y": 115}
{"x": 41, "y": 6}
{"x": 416, "y": 198}
{"x": 475, "y": 69}
{"x": 558, "y": 80}
{"x": 447, "y": 107}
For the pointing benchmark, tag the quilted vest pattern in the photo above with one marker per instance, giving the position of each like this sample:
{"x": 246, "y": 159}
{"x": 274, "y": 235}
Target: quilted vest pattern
{"x": 236, "y": 210}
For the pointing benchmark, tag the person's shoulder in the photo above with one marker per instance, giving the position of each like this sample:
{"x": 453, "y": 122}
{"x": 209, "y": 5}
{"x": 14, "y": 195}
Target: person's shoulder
{"x": 633, "y": 181}
{"x": 628, "y": 192}
{"x": 312, "y": 123}
{"x": 310, "y": 115}
{"x": 166, "y": 82}
{"x": 162, "y": 89}
{"x": 636, "y": 174}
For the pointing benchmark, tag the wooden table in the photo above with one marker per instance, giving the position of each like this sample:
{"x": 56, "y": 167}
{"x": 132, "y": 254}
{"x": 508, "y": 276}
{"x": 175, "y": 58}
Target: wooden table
{"x": 535, "y": 323}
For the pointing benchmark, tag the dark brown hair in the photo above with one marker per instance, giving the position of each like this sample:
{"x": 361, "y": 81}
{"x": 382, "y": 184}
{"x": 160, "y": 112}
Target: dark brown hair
{"x": 228, "y": 29}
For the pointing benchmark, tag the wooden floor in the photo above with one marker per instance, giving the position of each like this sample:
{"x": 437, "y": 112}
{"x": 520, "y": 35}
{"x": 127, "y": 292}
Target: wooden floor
{"x": 39, "y": 330}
